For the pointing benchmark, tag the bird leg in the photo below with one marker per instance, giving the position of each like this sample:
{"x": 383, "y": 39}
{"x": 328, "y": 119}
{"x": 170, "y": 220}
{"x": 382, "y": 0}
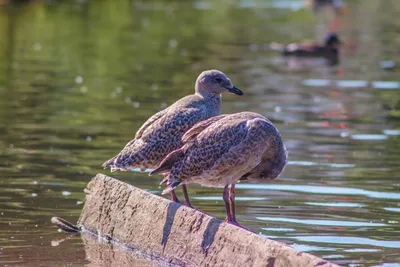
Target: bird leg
{"x": 225, "y": 196}
{"x": 232, "y": 204}
{"x": 233, "y": 221}
{"x": 174, "y": 197}
{"x": 229, "y": 198}
{"x": 187, "y": 200}
{"x": 185, "y": 194}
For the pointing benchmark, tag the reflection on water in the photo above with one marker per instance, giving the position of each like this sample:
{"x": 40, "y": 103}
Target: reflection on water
{"x": 78, "y": 78}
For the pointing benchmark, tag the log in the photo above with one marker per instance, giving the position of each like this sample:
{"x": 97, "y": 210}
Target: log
{"x": 175, "y": 234}
{"x": 101, "y": 252}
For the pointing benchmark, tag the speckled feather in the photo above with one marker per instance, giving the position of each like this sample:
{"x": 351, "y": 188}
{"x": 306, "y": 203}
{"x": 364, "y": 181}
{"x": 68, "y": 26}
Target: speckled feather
{"x": 162, "y": 133}
{"x": 223, "y": 149}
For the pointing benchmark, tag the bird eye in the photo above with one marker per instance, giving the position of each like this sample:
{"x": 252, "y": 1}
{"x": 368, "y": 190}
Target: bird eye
{"x": 217, "y": 79}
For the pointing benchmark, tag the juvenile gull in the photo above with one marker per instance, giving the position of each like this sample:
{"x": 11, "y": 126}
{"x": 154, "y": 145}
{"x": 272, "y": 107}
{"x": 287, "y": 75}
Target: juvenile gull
{"x": 162, "y": 133}
{"x": 223, "y": 150}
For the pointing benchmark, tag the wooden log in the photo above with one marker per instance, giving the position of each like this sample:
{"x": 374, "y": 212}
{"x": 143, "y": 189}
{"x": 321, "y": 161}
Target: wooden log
{"x": 101, "y": 252}
{"x": 176, "y": 234}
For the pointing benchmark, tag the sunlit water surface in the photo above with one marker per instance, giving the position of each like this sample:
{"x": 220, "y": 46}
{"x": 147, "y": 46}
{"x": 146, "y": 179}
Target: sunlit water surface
{"x": 78, "y": 79}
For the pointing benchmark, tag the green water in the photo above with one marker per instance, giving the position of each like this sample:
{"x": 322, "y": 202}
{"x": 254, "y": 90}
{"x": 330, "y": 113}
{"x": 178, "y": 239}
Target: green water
{"x": 78, "y": 79}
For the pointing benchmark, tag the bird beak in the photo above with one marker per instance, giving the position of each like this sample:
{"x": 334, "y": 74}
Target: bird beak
{"x": 235, "y": 90}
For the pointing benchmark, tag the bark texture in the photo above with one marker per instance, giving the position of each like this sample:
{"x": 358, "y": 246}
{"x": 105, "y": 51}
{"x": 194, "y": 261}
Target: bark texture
{"x": 176, "y": 234}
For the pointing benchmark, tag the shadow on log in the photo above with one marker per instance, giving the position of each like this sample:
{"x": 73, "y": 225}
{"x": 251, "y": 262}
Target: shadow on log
{"x": 175, "y": 234}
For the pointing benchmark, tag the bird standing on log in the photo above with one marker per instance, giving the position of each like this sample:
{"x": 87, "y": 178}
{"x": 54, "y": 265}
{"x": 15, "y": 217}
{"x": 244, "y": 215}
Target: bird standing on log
{"x": 162, "y": 133}
{"x": 223, "y": 150}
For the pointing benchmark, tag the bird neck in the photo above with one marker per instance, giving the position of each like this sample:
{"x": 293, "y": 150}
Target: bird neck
{"x": 204, "y": 93}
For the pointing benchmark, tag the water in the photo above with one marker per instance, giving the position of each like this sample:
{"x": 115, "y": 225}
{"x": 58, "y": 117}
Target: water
{"x": 77, "y": 79}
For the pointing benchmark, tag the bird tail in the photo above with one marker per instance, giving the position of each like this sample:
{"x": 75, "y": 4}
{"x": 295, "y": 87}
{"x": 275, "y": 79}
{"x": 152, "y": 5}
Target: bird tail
{"x": 168, "y": 161}
{"x": 171, "y": 187}
{"x": 130, "y": 157}
{"x": 109, "y": 163}
{"x": 123, "y": 161}
{"x": 165, "y": 180}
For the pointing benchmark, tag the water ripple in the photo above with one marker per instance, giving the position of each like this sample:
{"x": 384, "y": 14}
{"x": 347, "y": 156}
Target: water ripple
{"x": 392, "y": 209}
{"x": 310, "y": 163}
{"x": 309, "y": 248}
{"x": 321, "y": 222}
{"x": 327, "y": 190}
{"x": 217, "y": 198}
{"x": 380, "y": 85}
{"x": 369, "y": 137}
{"x": 348, "y": 240}
{"x": 361, "y": 250}
{"x": 387, "y": 265}
{"x": 279, "y": 229}
{"x": 391, "y": 132}
{"x": 336, "y": 204}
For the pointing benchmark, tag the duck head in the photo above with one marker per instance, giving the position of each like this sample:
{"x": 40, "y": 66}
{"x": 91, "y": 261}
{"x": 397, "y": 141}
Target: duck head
{"x": 332, "y": 40}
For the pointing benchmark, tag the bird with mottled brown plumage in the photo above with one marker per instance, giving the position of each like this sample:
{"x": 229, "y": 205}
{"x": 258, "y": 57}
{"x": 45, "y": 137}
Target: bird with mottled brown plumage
{"x": 162, "y": 133}
{"x": 223, "y": 150}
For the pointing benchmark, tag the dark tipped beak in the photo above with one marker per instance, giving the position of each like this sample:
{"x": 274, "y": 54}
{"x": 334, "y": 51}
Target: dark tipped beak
{"x": 235, "y": 90}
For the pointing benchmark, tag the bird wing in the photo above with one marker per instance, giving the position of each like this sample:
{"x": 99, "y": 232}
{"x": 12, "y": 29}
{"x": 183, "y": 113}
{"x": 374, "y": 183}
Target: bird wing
{"x": 231, "y": 146}
{"x": 159, "y": 135}
{"x": 208, "y": 147}
{"x": 190, "y": 135}
{"x": 172, "y": 122}
{"x": 199, "y": 127}
{"x": 149, "y": 122}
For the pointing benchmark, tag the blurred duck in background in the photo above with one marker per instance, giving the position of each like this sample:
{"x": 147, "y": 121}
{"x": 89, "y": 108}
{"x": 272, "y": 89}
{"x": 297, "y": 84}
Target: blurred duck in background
{"x": 329, "y": 49}
{"x": 338, "y": 5}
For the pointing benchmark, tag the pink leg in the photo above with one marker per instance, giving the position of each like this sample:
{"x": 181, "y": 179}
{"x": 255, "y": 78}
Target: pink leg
{"x": 185, "y": 194}
{"x": 233, "y": 221}
{"x": 174, "y": 197}
{"x": 232, "y": 204}
{"x": 225, "y": 196}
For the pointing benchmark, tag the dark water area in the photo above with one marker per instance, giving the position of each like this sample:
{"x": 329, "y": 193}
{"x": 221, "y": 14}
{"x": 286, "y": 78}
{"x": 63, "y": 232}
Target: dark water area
{"x": 77, "y": 79}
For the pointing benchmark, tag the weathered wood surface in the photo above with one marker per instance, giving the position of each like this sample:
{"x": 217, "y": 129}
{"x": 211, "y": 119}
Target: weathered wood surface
{"x": 103, "y": 253}
{"x": 176, "y": 234}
